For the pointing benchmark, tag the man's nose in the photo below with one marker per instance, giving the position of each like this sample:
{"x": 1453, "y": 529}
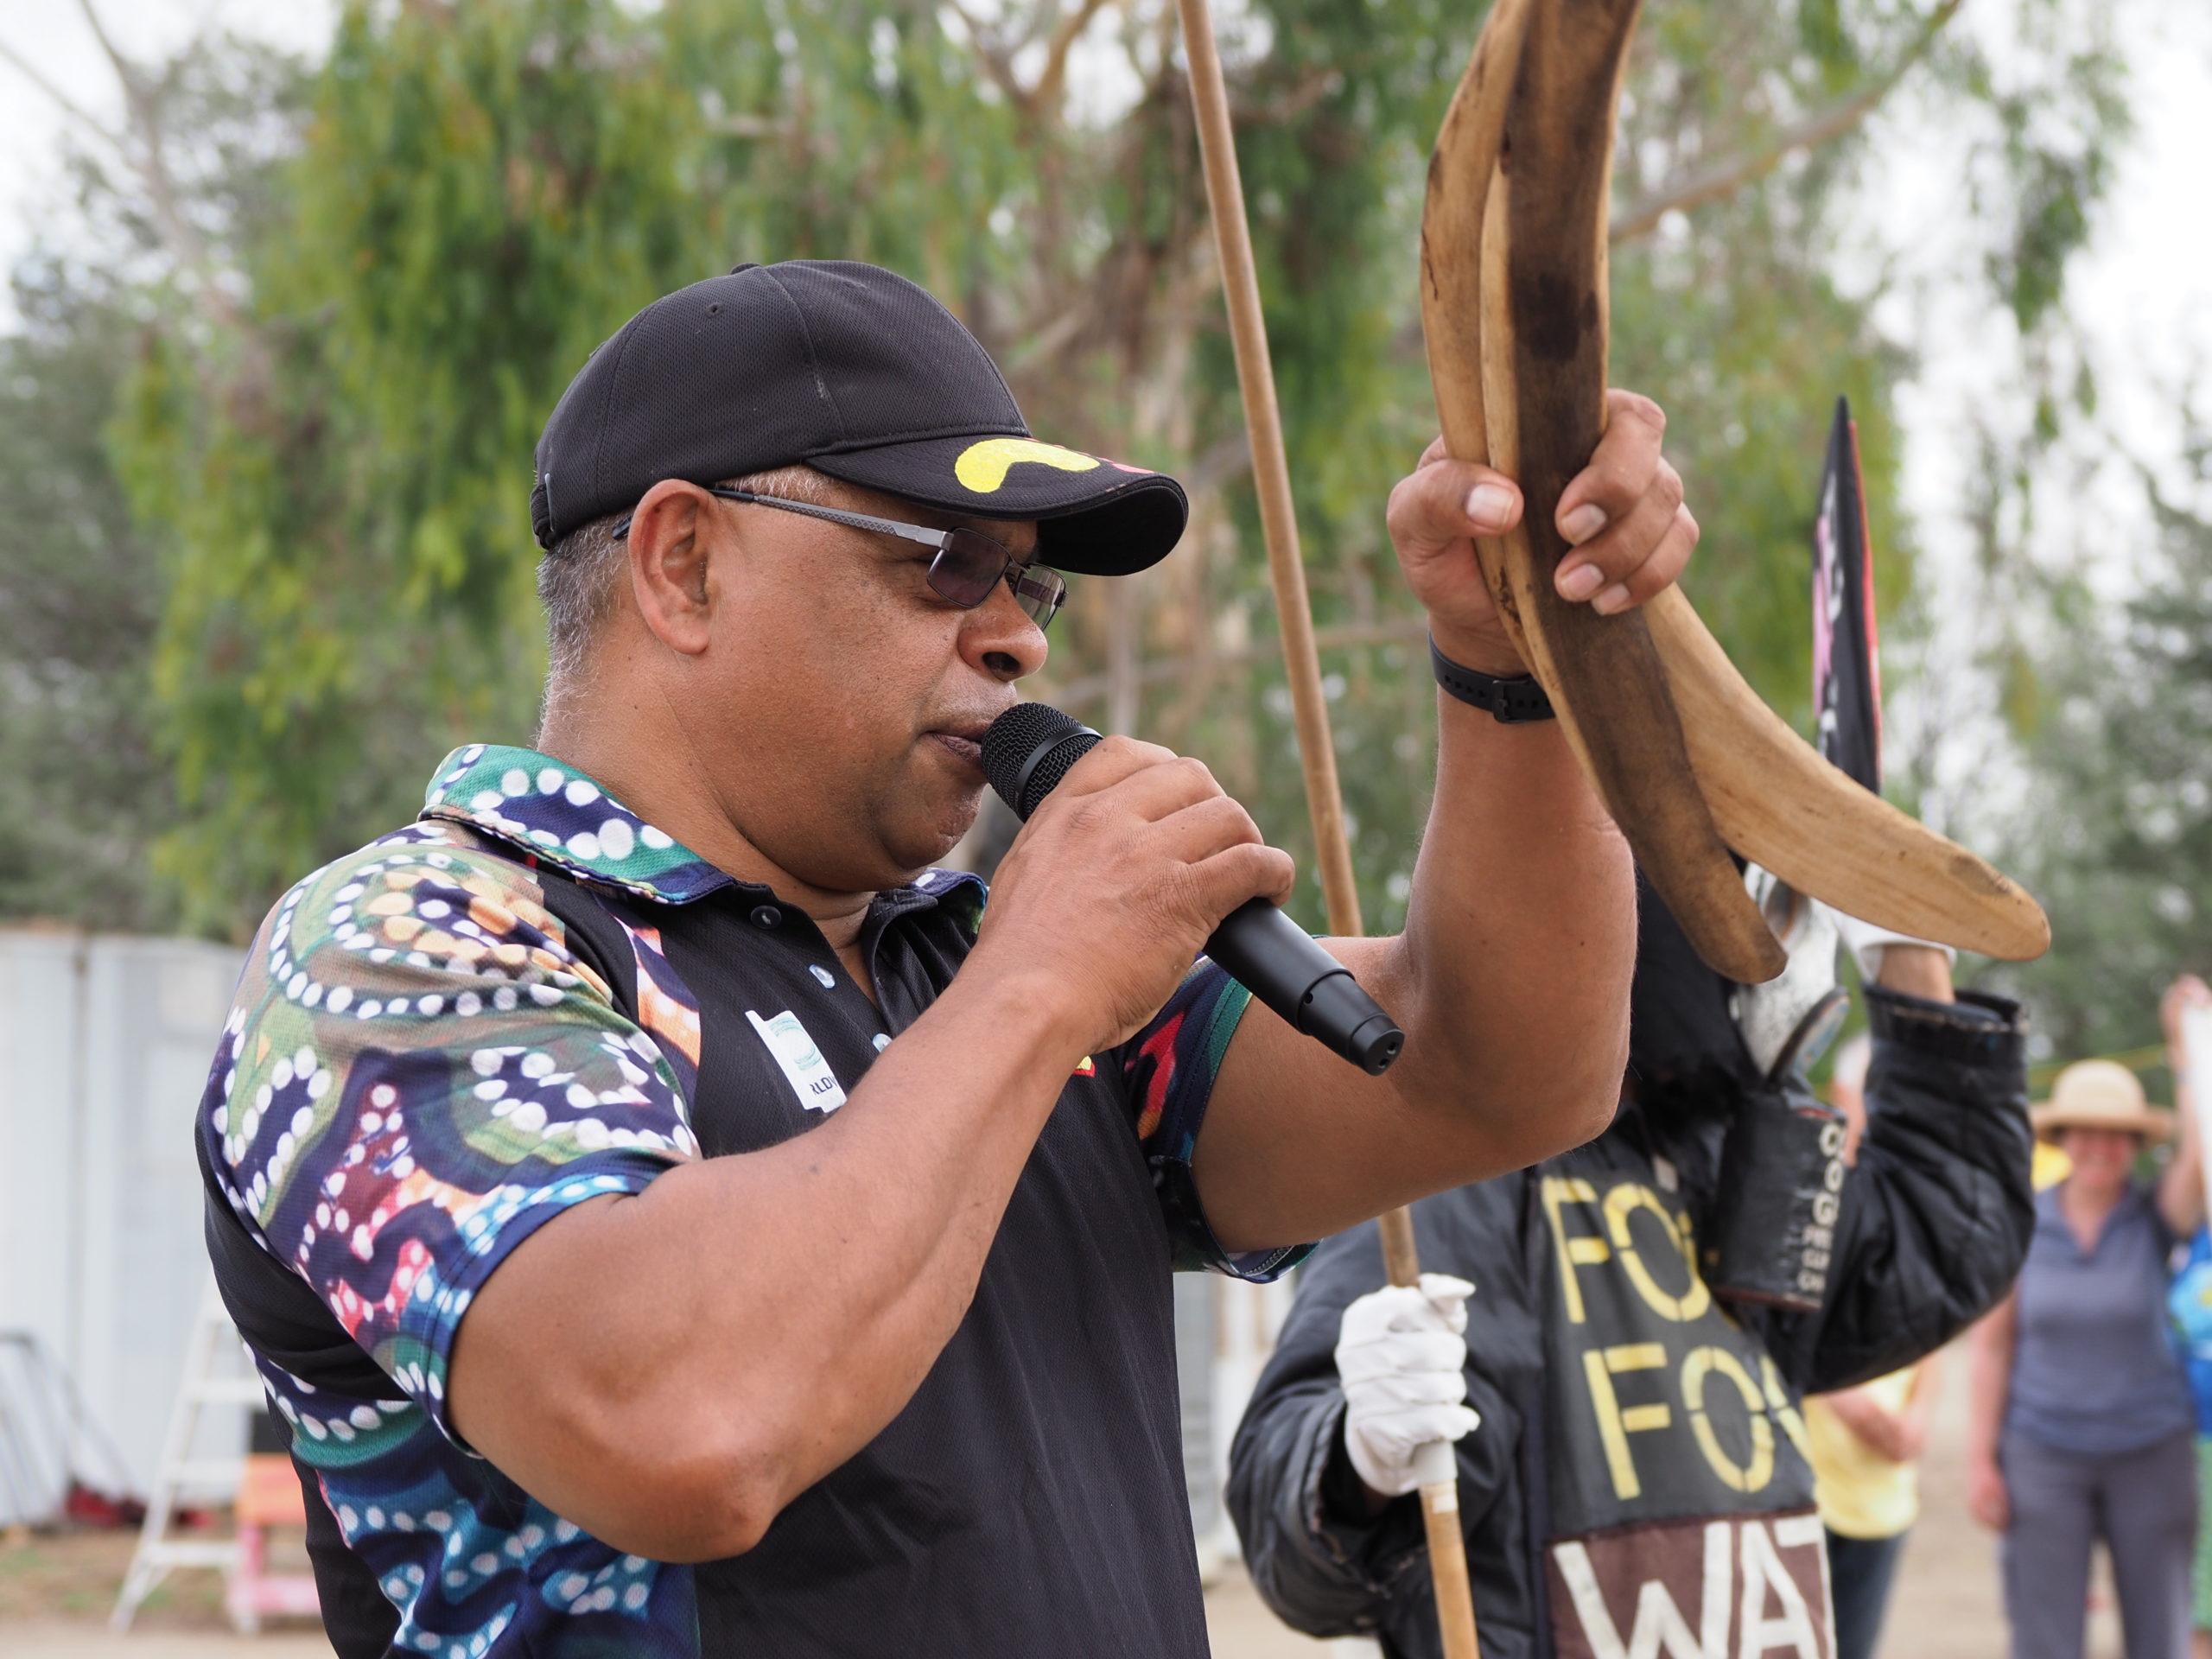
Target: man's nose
{"x": 1002, "y": 640}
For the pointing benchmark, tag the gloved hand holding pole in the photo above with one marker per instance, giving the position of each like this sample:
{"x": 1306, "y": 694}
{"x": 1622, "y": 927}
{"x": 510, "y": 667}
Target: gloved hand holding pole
{"x": 1402, "y": 1357}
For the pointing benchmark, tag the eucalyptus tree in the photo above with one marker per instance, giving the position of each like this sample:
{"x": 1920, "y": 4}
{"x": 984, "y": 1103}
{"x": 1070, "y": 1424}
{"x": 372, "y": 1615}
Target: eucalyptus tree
{"x": 2119, "y": 847}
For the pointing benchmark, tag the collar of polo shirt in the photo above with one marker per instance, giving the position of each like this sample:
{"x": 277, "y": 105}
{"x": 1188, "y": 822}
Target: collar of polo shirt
{"x": 560, "y": 816}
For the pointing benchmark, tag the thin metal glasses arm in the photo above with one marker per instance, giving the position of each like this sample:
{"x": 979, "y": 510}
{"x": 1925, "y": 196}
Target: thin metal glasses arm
{"x": 921, "y": 533}
{"x": 939, "y": 539}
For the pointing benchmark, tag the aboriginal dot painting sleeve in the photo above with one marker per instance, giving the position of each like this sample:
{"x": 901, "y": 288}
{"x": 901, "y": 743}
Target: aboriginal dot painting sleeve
{"x": 1169, "y": 1068}
{"x": 417, "y": 1075}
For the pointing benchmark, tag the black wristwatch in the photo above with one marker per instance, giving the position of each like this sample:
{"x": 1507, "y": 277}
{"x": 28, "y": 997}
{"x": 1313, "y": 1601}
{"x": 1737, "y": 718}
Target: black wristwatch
{"x": 1510, "y": 700}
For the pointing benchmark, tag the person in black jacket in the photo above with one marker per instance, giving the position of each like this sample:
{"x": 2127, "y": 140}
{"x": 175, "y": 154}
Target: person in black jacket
{"x": 1649, "y": 1311}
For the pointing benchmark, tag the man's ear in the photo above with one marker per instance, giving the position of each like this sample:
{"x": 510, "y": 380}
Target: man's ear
{"x": 668, "y": 563}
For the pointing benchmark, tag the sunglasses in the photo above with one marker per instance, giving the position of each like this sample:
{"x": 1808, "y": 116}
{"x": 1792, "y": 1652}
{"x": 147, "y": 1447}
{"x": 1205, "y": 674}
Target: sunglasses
{"x": 968, "y": 566}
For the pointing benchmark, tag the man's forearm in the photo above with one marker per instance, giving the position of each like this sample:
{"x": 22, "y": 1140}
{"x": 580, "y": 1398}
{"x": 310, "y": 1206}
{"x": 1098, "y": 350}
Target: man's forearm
{"x": 1510, "y": 981}
{"x": 1920, "y": 971}
{"x": 1512, "y": 978}
{"x": 669, "y": 1369}
{"x": 1513, "y": 971}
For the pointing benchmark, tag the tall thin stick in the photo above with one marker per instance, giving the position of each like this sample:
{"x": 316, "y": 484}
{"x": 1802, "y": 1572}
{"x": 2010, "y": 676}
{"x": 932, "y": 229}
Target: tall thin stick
{"x": 1240, "y": 285}
{"x": 1440, "y": 1497}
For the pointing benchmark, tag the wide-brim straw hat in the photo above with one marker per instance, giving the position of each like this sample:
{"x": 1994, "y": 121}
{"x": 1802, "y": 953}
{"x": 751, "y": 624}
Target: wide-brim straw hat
{"x": 2100, "y": 1095}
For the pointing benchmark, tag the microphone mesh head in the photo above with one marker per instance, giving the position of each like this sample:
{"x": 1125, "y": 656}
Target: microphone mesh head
{"x": 1028, "y": 733}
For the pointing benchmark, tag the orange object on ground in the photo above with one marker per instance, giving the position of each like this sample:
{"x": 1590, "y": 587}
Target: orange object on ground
{"x": 268, "y": 1496}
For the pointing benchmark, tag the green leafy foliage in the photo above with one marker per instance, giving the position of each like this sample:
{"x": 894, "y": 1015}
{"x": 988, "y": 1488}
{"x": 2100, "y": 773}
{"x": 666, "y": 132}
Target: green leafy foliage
{"x": 345, "y": 476}
{"x": 82, "y": 786}
{"x": 2121, "y": 837}
{"x": 2059, "y": 150}
{"x": 482, "y": 195}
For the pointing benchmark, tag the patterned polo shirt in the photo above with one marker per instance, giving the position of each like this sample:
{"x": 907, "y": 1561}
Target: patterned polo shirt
{"x": 531, "y": 998}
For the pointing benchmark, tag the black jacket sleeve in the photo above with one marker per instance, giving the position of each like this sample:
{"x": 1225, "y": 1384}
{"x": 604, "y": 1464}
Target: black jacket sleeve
{"x": 1936, "y": 1215}
{"x": 1323, "y": 1564}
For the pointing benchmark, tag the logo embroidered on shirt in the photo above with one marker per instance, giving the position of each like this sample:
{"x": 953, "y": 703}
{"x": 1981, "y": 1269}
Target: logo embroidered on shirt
{"x": 1085, "y": 1068}
{"x": 809, "y": 1075}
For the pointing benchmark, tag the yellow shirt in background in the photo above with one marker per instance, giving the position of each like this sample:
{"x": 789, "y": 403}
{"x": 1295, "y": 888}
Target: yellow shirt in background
{"x": 1861, "y": 1493}
{"x": 2051, "y": 1165}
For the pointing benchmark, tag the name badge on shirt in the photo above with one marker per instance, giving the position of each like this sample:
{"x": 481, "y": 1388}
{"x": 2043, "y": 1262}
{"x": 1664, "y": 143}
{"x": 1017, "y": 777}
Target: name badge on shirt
{"x": 811, "y": 1079}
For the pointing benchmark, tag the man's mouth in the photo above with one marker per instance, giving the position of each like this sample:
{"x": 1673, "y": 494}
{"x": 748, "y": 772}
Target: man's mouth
{"x": 965, "y": 741}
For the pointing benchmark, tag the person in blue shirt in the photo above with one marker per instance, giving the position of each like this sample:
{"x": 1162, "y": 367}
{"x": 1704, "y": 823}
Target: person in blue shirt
{"x": 2083, "y": 1423}
{"x": 2191, "y": 1305}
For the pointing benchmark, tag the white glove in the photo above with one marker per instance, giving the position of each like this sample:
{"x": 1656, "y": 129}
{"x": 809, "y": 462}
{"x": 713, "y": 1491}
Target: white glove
{"x": 1867, "y": 942}
{"x": 1401, "y": 1358}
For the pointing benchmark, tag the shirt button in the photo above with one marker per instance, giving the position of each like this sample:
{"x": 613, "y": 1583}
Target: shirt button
{"x": 766, "y": 915}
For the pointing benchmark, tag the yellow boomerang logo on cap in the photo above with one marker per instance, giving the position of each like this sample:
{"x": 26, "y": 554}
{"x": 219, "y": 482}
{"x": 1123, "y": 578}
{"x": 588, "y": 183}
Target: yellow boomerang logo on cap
{"x": 982, "y": 467}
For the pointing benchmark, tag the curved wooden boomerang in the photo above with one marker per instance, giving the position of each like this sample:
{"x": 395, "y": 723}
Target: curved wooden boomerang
{"x": 1687, "y": 759}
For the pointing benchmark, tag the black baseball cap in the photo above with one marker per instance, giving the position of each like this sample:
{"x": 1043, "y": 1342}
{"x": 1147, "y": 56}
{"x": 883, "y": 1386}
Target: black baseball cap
{"x": 860, "y": 374}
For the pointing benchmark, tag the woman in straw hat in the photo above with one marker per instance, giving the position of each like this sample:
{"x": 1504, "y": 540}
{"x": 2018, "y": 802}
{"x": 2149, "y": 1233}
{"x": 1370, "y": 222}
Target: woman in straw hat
{"x": 2083, "y": 1424}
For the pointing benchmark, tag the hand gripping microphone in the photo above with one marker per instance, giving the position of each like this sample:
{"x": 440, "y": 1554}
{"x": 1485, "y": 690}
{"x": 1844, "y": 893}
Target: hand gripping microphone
{"x": 1033, "y": 746}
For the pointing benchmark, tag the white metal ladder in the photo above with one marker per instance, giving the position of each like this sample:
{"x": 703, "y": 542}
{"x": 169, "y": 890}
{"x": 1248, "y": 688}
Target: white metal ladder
{"x": 201, "y": 1385}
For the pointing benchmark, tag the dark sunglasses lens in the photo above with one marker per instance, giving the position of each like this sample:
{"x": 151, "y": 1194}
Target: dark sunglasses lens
{"x": 968, "y": 568}
{"x": 971, "y": 564}
{"x": 1040, "y": 593}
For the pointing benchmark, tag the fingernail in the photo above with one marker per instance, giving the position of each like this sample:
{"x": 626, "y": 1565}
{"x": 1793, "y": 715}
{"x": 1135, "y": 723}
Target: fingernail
{"x": 1583, "y": 522}
{"x": 1615, "y": 598}
{"x": 1490, "y": 505}
{"x": 1581, "y": 583}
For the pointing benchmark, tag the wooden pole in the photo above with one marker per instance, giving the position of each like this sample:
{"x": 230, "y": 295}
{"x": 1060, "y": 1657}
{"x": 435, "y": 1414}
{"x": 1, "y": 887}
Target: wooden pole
{"x": 1440, "y": 1497}
{"x": 1240, "y": 283}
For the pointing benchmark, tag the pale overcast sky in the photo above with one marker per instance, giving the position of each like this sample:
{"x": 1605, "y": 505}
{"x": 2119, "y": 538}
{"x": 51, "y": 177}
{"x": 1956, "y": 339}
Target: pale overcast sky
{"x": 53, "y": 36}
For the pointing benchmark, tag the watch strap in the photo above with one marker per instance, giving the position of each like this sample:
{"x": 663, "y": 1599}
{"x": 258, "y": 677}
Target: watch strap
{"x": 1510, "y": 700}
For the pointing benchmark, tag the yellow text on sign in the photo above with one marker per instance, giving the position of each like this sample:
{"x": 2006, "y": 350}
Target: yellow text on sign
{"x": 1702, "y": 1368}
{"x": 1614, "y": 1422}
{"x": 1592, "y": 1230}
{"x": 1578, "y": 1250}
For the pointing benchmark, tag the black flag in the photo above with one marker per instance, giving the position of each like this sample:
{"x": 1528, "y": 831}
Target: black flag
{"x": 1846, "y": 657}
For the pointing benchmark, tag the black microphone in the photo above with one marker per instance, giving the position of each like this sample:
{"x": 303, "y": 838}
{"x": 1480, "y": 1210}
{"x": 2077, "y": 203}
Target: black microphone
{"x": 1033, "y": 746}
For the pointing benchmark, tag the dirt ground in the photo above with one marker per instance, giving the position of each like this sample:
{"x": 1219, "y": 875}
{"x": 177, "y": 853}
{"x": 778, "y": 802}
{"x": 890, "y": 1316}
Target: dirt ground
{"x": 72, "y": 1577}
{"x": 55, "y": 1592}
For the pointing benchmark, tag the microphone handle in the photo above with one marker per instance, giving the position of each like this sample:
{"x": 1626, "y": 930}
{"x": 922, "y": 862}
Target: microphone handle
{"x": 1275, "y": 959}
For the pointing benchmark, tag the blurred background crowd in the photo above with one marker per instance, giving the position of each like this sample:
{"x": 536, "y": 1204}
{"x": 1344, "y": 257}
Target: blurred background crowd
{"x": 292, "y": 287}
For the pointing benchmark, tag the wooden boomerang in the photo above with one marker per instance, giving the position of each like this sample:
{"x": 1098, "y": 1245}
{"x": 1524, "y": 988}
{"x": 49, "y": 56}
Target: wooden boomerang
{"x": 1685, "y": 756}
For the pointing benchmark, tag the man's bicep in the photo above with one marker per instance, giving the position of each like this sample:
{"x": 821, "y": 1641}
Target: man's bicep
{"x": 516, "y": 1338}
{"x": 1299, "y": 1143}
{"x": 566, "y": 1373}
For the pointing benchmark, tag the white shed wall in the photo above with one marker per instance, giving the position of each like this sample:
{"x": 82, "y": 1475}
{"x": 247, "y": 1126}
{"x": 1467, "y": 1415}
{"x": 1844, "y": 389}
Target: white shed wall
{"x": 105, "y": 1046}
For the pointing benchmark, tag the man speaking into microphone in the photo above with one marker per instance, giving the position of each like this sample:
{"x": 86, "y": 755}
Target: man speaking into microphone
{"x": 671, "y": 1217}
